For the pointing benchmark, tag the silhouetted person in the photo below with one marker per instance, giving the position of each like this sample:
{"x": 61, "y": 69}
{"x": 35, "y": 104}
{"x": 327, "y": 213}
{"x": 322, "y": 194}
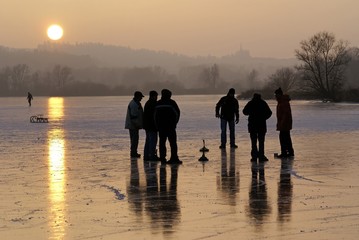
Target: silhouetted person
{"x": 227, "y": 109}
{"x": 167, "y": 115}
{"x": 29, "y": 98}
{"x": 134, "y": 121}
{"x": 150, "y": 127}
{"x": 258, "y": 112}
{"x": 284, "y": 123}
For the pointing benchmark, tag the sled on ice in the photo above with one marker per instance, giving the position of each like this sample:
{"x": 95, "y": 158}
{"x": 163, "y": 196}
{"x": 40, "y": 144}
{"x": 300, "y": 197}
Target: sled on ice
{"x": 39, "y": 119}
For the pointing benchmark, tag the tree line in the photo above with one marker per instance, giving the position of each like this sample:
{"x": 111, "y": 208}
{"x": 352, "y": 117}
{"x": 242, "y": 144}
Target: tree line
{"x": 327, "y": 69}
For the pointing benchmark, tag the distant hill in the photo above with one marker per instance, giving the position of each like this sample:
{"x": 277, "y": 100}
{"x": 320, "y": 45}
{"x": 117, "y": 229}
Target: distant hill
{"x": 84, "y": 55}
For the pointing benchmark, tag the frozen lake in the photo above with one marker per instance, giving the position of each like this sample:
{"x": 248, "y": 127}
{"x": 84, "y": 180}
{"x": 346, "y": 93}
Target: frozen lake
{"x": 72, "y": 178}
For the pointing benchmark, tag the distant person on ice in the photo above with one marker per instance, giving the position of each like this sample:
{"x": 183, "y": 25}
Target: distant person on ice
{"x": 258, "y": 112}
{"x": 29, "y": 98}
{"x": 227, "y": 109}
{"x": 167, "y": 115}
{"x": 284, "y": 123}
{"x": 149, "y": 125}
{"x": 134, "y": 122}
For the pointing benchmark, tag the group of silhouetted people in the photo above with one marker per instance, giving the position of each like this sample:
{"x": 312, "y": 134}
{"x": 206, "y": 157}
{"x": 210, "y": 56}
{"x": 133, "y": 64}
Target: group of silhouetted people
{"x": 159, "y": 118}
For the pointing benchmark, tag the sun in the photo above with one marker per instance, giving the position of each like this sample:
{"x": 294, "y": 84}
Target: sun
{"x": 55, "y": 32}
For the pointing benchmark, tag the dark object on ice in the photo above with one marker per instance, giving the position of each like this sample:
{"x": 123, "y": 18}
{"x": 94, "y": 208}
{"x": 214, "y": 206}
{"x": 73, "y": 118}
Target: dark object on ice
{"x": 203, "y": 158}
{"x": 204, "y": 149}
{"x": 39, "y": 119}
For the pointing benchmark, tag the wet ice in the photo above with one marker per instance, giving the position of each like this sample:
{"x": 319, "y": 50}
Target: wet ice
{"x": 72, "y": 178}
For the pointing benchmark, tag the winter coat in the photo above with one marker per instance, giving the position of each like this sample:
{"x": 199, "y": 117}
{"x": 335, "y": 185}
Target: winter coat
{"x": 284, "y": 114}
{"x": 258, "y": 112}
{"x": 134, "y": 116}
{"x": 167, "y": 114}
{"x": 228, "y": 108}
{"x": 149, "y": 115}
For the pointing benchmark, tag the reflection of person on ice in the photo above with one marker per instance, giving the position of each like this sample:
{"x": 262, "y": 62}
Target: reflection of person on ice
{"x": 29, "y": 98}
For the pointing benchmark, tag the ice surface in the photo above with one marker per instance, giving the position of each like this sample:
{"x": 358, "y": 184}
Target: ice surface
{"x": 72, "y": 178}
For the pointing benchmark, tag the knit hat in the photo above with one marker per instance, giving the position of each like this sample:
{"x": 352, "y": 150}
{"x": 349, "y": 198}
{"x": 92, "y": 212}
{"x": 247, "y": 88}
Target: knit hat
{"x": 278, "y": 91}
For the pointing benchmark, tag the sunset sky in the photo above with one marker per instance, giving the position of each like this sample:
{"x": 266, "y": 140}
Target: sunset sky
{"x": 267, "y": 28}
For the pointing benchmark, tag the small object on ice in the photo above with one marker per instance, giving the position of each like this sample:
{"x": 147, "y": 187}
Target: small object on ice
{"x": 203, "y": 158}
{"x": 39, "y": 119}
{"x": 204, "y": 149}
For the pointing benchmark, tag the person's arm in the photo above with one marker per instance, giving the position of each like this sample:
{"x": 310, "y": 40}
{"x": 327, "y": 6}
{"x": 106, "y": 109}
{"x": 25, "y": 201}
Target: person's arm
{"x": 218, "y": 106}
{"x": 237, "y": 111}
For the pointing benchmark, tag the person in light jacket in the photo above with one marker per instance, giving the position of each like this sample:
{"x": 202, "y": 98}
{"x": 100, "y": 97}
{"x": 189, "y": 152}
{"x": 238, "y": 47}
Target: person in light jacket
{"x": 134, "y": 122}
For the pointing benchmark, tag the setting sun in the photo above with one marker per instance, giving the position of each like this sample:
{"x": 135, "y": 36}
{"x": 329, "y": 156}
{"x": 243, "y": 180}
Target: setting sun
{"x": 55, "y": 32}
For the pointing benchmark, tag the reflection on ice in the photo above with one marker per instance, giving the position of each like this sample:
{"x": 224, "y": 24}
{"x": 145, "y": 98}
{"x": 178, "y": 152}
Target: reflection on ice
{"x": 158, "y": 198}
{"x": 228, "y": 183}
{"x": 259, "y": 207}
{"x": 57, "y": 171}
{"x": 108, "y": 196}
{"x": 285, "y": 191}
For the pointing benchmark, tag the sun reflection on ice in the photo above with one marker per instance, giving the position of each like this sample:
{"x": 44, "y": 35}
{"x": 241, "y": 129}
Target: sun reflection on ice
{"x": 57, "y": 170}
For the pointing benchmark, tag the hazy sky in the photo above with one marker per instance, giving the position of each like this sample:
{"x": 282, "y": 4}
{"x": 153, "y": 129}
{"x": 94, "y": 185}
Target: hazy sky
{"x": 267, "y": 28}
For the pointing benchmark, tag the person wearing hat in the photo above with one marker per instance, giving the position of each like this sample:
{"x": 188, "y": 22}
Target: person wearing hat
{"x": 227, "y": 109}
{"x": 149, "y": 153}
{"x": 134, "y": 122}
{"x": 284, "y": 123}
{"x": 258, "y": 112}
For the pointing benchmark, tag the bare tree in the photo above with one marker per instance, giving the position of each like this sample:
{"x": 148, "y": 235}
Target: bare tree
{"x": 253, "y": 79}
{"x": 324, "y": 60}
{"x": 19, "y": 73}
{"x": 214, "y": 73}
{"x": 285, "y": 77}
{"x": 61, "y": 75}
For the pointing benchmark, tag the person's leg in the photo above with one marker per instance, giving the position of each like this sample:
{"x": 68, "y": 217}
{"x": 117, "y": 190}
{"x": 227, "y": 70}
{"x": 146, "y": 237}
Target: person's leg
{"x": 254, "y": 150}
{"x": 162, "y": 144}
{"x": 152, "y": 145}
{"x": 283, "y": 149}
{"x": 232, "y": 137}
{"x": 134, "y": 141}
{"x": 146, "y": 152}
{"x": 290, "y": 145}
{"x": 261, "y": 139}
{"x": 172, "y": 138}
{"x": 223, "y": 132}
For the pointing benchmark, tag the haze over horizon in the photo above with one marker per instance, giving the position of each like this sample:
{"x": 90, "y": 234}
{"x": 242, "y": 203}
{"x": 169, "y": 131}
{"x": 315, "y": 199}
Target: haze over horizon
{"x": 203, "y": 27}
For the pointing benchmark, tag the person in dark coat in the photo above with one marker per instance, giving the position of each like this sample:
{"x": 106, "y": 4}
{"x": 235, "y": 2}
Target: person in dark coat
{"x": 167, "y": 115}
{"x": 227, "y": 109}
{"x": 284, "y": 123}
{"x": 150, "y": 128}
{"x": 258, "y": 112}
{"x": 29, "y": 98}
